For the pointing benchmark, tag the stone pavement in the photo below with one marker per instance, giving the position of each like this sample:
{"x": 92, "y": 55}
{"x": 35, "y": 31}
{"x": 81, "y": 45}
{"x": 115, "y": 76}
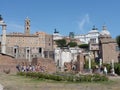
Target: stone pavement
{"x": 1, "y": 87}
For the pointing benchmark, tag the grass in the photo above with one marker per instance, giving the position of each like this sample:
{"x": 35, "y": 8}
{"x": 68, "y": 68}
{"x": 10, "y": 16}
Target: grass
{"x": 14, "y": 82}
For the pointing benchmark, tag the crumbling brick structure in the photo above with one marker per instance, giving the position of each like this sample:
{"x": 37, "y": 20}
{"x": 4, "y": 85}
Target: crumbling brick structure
{"x": 47, "y": 65}
{"x": 76, "y": 66}
{"x": 7, "y": 63}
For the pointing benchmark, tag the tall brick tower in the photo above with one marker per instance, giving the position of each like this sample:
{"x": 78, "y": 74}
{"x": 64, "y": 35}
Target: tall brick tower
{"x": 27, "y": 26}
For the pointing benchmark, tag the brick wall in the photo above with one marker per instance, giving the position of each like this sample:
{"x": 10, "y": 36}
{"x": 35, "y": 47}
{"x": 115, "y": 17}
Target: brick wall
{"x": 48, "y": 64}
{"x": 7, "y": 63}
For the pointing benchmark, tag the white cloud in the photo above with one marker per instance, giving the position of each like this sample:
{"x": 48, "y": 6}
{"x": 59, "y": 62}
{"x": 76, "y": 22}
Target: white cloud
{"x": 85, "y": 20}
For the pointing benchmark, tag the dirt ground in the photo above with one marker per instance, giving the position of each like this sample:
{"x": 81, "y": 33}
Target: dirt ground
{"x": 13, "y": 82}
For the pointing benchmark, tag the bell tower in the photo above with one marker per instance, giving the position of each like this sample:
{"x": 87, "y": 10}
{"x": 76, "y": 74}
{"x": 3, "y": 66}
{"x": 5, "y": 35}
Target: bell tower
{"x": 27, "y": 26}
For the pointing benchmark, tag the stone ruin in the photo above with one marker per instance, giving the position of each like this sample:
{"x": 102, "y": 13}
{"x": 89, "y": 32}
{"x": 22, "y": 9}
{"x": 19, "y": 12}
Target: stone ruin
{"x": 76, "y": 66}
{"x": 48, "y": 65}
{"x": 7, "y": 63}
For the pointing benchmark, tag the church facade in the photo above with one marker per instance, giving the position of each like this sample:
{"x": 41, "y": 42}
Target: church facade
{"x": 28, "y": 46}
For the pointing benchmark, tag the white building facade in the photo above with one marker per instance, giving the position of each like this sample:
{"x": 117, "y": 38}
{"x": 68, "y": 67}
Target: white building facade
{"x": 56, "y": 35}
{"x": 91, "y": 36}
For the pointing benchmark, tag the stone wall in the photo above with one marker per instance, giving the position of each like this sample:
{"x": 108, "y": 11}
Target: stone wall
{"x": 108, "y": 50}
{"x": 7, "y": 63}
{"x": 48, "y": 65}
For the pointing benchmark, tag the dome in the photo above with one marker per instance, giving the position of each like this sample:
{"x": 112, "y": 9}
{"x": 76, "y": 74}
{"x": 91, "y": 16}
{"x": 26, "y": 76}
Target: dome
{"x": 105, "y": 31}
{"x": 94, "y": 30}
{"x": 1, "y": 18}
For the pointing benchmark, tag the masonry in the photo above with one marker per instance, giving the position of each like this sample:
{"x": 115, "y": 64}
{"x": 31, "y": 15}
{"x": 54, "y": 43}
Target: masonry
{"x": 7, "y": 63}
{"x": 108, "y": 49}
{"x": 48, "y": 65}
{"x": 26, "y": 45}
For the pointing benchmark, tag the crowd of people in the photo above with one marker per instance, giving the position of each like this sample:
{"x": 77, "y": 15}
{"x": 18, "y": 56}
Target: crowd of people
{"x": 32, "y": 68}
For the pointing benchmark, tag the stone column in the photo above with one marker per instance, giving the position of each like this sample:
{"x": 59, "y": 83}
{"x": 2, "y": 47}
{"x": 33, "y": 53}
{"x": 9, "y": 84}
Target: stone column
{"x": 89, "y": 62}
{"x": 113, "y": 70}
{"x": 80, "y": 63}
{"x": 43, "y": 53}
{"x": 100, "y": 62}
{"x": 25, "y": 53}
{"x": 48, "y": 53}
{"x": 3, "y": 44}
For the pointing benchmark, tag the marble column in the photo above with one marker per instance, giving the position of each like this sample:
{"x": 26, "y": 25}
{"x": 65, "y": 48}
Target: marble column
{"x": 89, "y": 62}
{"x": 3, "y": 43}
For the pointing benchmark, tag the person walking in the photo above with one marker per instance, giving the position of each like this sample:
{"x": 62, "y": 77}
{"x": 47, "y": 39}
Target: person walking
{"x": 105, "y": 70}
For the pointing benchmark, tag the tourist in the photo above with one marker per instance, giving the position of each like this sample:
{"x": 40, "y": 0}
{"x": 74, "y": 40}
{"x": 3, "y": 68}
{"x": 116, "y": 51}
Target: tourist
{"x": 105, "y": 70}
{"x": 18, "y": 67}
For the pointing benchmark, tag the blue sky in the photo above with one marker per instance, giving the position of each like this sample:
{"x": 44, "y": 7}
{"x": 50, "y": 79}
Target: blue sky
{"x": 66, "y": 16}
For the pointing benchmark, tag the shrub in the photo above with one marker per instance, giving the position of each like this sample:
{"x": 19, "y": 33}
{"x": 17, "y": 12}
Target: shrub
{"x": 70, "y": 78}
{"x": 117, "y": 68}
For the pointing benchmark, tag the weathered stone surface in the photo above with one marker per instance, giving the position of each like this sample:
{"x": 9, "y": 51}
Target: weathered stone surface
{"x": 76, "y": 66}
{"x": 47, "y": 64}
{"x": 7, "y": 63}
{"x": 80, "y": 63}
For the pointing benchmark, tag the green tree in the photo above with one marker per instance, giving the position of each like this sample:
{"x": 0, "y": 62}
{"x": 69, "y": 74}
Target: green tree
{"x": 118, "y": 40}
{"x": 84, "y": 46}
{"x": 72, "y": 44}
{"x": 61, "y": 43}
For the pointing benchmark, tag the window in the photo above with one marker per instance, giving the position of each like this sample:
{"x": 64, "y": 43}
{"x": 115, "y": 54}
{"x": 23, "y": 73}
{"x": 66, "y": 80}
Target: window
{"x": 40, "y": 50}
{"x": 27, "y": 28}
{"x": 15, "y": 50}
{"x": 31, "y": 55}
{"x": 93, "y": 40}
{"x": 27, "y": 23}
